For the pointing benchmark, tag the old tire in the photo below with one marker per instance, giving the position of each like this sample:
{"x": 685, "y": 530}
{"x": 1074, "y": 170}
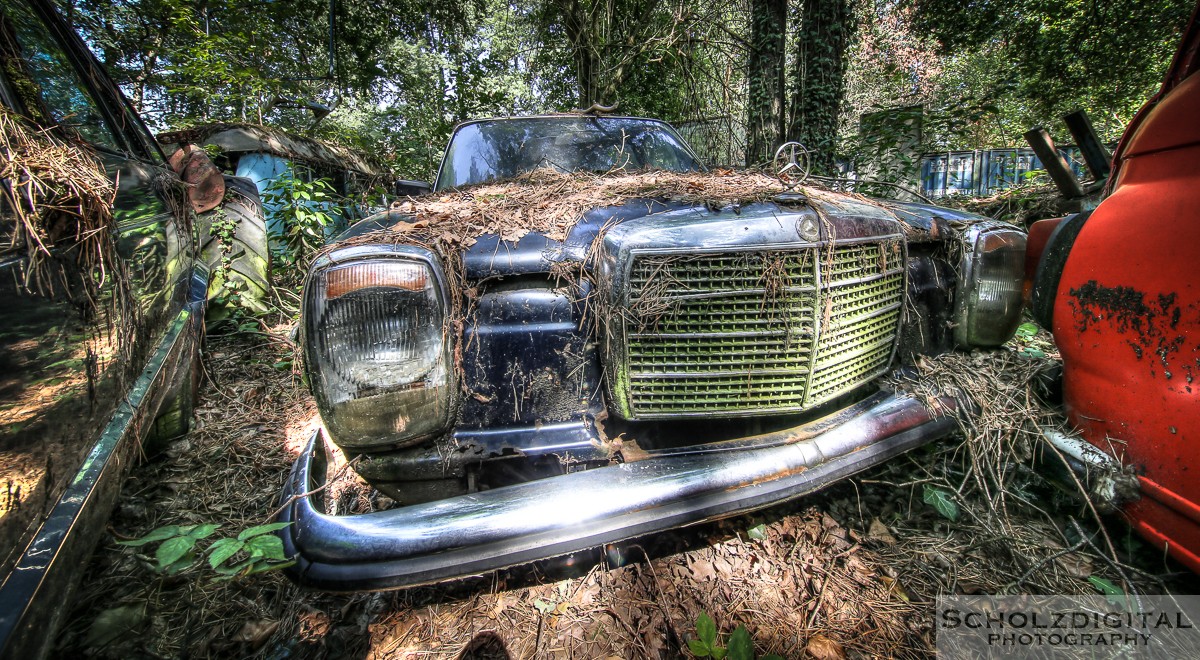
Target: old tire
{"x": 246, "y": 266}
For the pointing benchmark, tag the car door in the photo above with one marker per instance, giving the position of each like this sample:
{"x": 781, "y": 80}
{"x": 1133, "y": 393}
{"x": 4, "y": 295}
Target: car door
{"x": 81, "y": 321}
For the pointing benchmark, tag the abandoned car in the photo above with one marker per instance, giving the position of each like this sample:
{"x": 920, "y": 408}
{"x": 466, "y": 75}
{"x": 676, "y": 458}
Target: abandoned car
{"x": 264, "y": 155}
{"x": 261, "y": 163}
{"x": 582, "y": 336}
{"x": 102, "y": 315}
{"x": 1118, "y": 286}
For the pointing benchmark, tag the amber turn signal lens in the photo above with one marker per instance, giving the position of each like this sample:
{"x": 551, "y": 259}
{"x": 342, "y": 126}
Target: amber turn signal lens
{"x": 340, "y": 281}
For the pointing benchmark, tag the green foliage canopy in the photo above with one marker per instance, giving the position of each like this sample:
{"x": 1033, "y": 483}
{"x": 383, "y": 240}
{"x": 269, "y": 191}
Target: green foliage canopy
{"x": 1062, "y": 55}
{"x": 404, "y": 72}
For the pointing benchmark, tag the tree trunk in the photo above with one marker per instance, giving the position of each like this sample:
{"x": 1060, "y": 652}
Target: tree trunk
{"x": 579, "y": 23}
{"x": 822, "y": 39}
{"x": 765, "y": 105}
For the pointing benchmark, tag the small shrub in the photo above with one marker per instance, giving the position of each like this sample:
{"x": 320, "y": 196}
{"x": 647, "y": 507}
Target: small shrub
{"x": 253, "y": 550}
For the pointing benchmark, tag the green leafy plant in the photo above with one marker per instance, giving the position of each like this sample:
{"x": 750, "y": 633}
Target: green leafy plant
{"x": 1105, "y": 587}
{"x": 176, "y": 545}
{"x": 259, "y": 548}
{"x": 214, "y": 151}
{"x": 254, "y": 550}
{"x": 557, "y": 604}
{"x": 739, "y": 646}
{"x": 303, "y": 207}
{"x": 233, "y": 301}
{"x": 224, "y": 228}
{"x": 1029, "y": 341}
{"x": 1023, "y": 336}
{"x": 942, "y": 501}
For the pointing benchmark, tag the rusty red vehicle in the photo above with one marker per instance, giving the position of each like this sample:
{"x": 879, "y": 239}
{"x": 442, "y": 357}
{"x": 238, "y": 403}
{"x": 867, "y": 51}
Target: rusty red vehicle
{"x": 1120, "y": 288}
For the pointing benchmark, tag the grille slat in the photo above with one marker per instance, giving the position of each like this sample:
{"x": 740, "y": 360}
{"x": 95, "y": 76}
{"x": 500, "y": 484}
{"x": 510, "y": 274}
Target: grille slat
{"x": 741, "y": 333}
{"x": 850, "y": 342}
{"x": 680, "y": 317}
{"x": 797, "y": 330}
{"x": 835, "y": 381}
{"x": 741, "y": 271}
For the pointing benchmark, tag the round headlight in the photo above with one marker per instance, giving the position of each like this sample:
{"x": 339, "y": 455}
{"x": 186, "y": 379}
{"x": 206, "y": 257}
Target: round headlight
{"x": 376, "y": 345}
{"x": 989, "y": 300}
{"x": 381, "y": 322}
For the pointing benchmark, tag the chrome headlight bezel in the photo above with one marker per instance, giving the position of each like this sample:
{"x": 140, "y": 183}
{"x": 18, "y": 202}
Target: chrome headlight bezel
{"x": 990, "y": 295}
{"x": 398, "y": 413}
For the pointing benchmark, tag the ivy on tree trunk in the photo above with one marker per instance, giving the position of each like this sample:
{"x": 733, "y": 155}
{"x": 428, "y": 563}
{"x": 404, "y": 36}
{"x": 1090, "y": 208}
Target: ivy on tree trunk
{"x": 822, "y": 40}
{"x": 765, "y": 105}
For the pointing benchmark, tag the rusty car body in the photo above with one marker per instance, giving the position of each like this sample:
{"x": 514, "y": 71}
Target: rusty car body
{"x": 1119, "y": 287}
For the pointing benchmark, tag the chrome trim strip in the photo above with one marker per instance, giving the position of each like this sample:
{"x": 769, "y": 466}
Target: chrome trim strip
{"x": 1107, "y": 482}
{"x": 43, "y": 574}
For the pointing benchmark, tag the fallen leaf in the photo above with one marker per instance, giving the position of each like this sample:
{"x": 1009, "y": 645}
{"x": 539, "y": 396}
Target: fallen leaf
{"x": 895, "y": 587}
{"x": 824, "y": 648}
{"x": 256, "y": 633}
{"x": 880, "y": 532}
{"x": 1076, "y": 565}
{"x": 971, "y": 588}
{"x": 859, "y": 570}
{"x": 702, "y": 570}
{"x": 179, "y": 448}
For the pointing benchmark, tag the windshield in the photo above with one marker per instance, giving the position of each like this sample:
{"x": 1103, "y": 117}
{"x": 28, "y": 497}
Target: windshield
{"x": 507, "y": 147}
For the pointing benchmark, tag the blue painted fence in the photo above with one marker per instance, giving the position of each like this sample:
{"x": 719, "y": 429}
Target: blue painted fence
{"x": 981, "y": 173}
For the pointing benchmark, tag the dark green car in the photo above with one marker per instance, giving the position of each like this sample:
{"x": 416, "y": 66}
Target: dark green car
{"x": 101, "y": 311}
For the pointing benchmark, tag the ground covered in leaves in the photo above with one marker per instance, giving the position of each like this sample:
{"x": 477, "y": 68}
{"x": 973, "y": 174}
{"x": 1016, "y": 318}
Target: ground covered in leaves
{"x": 850, "y": 572}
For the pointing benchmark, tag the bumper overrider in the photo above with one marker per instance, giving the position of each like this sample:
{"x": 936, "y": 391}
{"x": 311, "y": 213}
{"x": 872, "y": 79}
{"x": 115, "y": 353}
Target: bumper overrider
{"x": 484, "y": 531}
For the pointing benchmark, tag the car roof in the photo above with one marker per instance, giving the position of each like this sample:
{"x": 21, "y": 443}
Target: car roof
{"x": 558, "y": 115}
{"x": 242, "y": 138}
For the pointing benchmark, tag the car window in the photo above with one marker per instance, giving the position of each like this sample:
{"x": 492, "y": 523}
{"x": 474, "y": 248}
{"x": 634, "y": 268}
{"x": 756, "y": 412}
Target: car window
{"x": 505, "y": 148}
{"x": 59, "y": 88}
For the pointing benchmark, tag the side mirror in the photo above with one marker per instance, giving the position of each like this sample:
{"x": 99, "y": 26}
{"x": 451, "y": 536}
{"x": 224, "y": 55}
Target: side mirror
{"x": 404, "y": 188}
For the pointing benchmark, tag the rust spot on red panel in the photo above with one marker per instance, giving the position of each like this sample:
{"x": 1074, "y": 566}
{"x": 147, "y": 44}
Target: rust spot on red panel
{"x": 1151, "y": 320}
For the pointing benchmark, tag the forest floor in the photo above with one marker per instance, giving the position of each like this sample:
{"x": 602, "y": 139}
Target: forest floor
{"x": 852, "y": 571}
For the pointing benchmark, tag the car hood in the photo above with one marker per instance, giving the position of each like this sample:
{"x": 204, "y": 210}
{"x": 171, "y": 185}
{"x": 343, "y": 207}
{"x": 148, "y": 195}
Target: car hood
{"x": 535, "y": 252}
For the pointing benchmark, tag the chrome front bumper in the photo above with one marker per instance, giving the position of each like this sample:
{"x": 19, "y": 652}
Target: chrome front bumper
{"x": 484, "y": 531}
